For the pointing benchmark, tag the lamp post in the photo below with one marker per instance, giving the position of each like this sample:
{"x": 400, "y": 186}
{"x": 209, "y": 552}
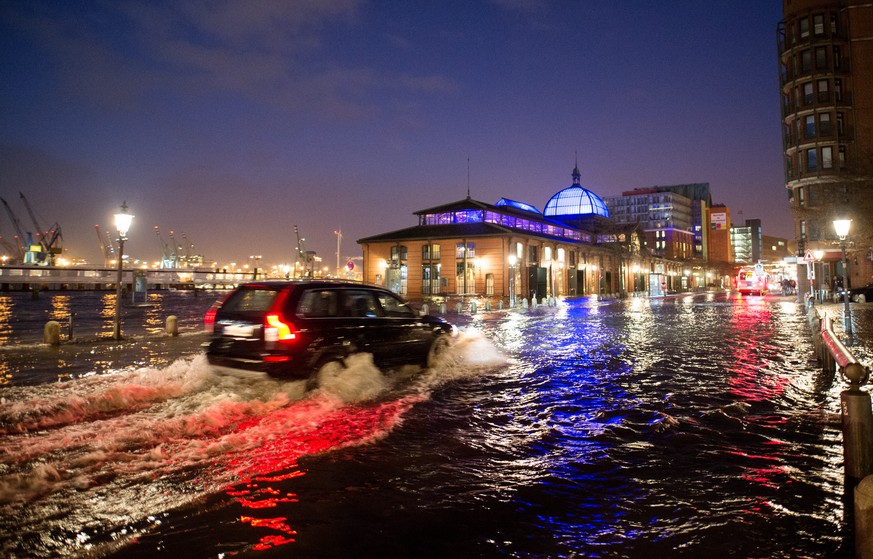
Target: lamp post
{"x": 122, "y": 224}
{"x": 818, "y": 255}
{"x": 841, "y": 226}
{"x": 512, "y": 260}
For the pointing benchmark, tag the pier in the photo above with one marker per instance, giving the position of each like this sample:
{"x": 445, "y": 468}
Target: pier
{"x": 56, "y": 278}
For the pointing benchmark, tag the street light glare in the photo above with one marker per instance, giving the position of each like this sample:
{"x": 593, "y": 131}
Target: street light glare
{"x": 841, "y": 226}
{"x": 123, "y": 220}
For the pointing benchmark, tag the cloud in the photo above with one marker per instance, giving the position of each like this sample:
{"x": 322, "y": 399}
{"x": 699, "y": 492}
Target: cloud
{"x": 120, "y": 55}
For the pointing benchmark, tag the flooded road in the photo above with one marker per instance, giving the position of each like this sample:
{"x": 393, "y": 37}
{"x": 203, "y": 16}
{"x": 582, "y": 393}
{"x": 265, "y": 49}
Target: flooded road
{"x": 685, "y": 427}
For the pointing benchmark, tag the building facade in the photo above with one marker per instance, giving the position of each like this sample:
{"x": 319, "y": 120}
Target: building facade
{"x": 510, "y": 250}
{"x": 663, "y": 215}
{"x": 825, "y": 53}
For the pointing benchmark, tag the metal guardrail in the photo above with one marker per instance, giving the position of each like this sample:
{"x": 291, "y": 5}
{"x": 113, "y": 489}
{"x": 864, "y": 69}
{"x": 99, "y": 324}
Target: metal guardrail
{"x": 856, "y": 414}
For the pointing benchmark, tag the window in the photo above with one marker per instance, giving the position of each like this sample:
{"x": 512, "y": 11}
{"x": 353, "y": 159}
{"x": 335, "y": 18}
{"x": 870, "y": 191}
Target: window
{"x": 841, "y": 156}
{"x": 318, "y": 304}
{"x": 810, "y": 126}
{"x": 811, "y": 160}
{"x": 821, "y": 57}
{"x": 838, "y": 89}
{"x": 807, "y": 93}
{"x": 429, "y": 279}
{"x": 805, "y": 61}
{"x": 818, "y": 24}
{"x": 360, "y": 304}
{"x": 827, "y": 157}
{"x": 840, "y": 124}
{"x": 469, "y": 251}
{"x": 833, "y": 24}
{"x": 801, "y": 197}
{"x": 836, "y": 56}
{"x": 489, "y": 284}
{"x": 398, "y": 253}
{"x": 804, "y": 27}
{"x": 430, "y": 252}
{"x": 824, "y": 124}
{"x": 532, "y": 256}
{"x": 823, "y": 93}
{"x": 392, "y": 306}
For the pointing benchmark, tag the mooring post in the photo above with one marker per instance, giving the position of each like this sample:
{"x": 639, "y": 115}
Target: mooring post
{"x": 51, "y": 334}
{"x": 857, "y": 420}
{"x": 864, "y": 519}
{"x": 172, "y": 325}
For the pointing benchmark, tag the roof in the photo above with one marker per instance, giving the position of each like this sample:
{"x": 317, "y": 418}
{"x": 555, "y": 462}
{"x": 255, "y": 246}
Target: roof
{"x": 452, "y": 231}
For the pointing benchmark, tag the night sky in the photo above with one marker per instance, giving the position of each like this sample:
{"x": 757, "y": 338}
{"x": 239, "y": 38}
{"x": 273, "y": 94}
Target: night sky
{"x": 232, "y": 122}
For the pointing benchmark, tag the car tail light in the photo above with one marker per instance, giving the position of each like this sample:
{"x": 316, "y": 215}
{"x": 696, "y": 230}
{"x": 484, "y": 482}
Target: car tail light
{"x": 209, "y": 319}
{"x": 277, "y": 330}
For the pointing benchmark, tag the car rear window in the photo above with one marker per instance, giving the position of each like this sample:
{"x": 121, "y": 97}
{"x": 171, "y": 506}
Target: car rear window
{"x": 250, "y": 300}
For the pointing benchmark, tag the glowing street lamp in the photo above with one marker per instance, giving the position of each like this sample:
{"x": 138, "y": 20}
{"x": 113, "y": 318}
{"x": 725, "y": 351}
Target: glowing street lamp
{"x": 841, "y": 226}
{"x": 122, "y": 225}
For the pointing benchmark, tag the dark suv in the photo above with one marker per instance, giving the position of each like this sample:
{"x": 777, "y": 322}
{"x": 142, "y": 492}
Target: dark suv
{"x": 290, "y": 329}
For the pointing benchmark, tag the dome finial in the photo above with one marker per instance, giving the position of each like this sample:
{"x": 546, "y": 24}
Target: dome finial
{"x": 577, "y": 176}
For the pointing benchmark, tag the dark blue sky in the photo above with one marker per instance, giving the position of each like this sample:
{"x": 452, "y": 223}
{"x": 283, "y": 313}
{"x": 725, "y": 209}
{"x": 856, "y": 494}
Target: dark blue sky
{"x": 232, "y": 122}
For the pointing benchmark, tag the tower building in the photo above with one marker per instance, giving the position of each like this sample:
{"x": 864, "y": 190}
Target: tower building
{"x": 826, "y": 84}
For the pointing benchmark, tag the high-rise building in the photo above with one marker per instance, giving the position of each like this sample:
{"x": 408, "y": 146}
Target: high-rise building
{"x": 747, "y": 242}
{"x": 673, "y": 217}
{"x": 826, "y": 83}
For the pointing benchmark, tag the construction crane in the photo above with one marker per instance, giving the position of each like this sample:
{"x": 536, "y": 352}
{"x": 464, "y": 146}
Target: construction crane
{"x": 106, "y": 247}
{"x": 304, "y": 256}
{"x": 47, "y": 239}
{"x": 167, "y": 254}
{"x": 19, "y": 234}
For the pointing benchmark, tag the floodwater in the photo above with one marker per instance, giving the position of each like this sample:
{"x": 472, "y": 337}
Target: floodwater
{"x": 696, "y": 426}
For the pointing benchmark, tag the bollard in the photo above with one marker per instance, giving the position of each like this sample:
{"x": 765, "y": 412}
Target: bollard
{"x": 500, "y": 305}
{"x": 524, "y": 303}
{"x": 864, "y": 519}
{"x": 442, "y": 308}
{"x": 52, "y": 332}
{"x": 857, "y": 420}
{"x": 533, "y": 303}
{"x": 472, "y": 307}
{"x": 424, "y": 309}
{"x": 172, "y": 326}
{"x": 488, "y": 305}
{"x": 458, "y": 308}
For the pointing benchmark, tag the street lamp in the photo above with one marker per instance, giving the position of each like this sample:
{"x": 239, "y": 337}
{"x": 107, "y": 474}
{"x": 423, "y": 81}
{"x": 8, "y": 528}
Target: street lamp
{"x": 512, "y": 260}
{"x": 841, "y": 226}
{"x": 122, "y": 224}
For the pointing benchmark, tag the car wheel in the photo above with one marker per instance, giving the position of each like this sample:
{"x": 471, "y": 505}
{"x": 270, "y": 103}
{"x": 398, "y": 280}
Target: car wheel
{"x": 438, "y": 349}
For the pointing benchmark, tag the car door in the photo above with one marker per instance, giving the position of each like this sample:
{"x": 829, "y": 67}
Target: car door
{"x": 409, "y": 337}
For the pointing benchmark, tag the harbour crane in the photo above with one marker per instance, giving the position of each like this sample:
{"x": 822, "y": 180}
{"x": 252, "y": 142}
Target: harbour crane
{"x": 47, "y": 239}
{"x": 19, "y": 234}
{"x": 302, "y": 256}
{"x": 167, "y": 258}
{"x": 107, "y": 248}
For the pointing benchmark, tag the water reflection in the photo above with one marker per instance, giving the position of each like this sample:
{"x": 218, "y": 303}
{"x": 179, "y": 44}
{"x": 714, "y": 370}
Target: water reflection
{"x": 6, "y": 306}
{"x": 107, "y": 315}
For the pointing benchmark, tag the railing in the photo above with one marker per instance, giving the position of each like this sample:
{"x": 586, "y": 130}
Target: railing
{"x": 99, "y": 278}
{"x": 856, "y": 415}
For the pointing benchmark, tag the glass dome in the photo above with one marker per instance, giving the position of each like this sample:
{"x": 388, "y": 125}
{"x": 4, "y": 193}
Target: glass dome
{"x": 575, "y": 201}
